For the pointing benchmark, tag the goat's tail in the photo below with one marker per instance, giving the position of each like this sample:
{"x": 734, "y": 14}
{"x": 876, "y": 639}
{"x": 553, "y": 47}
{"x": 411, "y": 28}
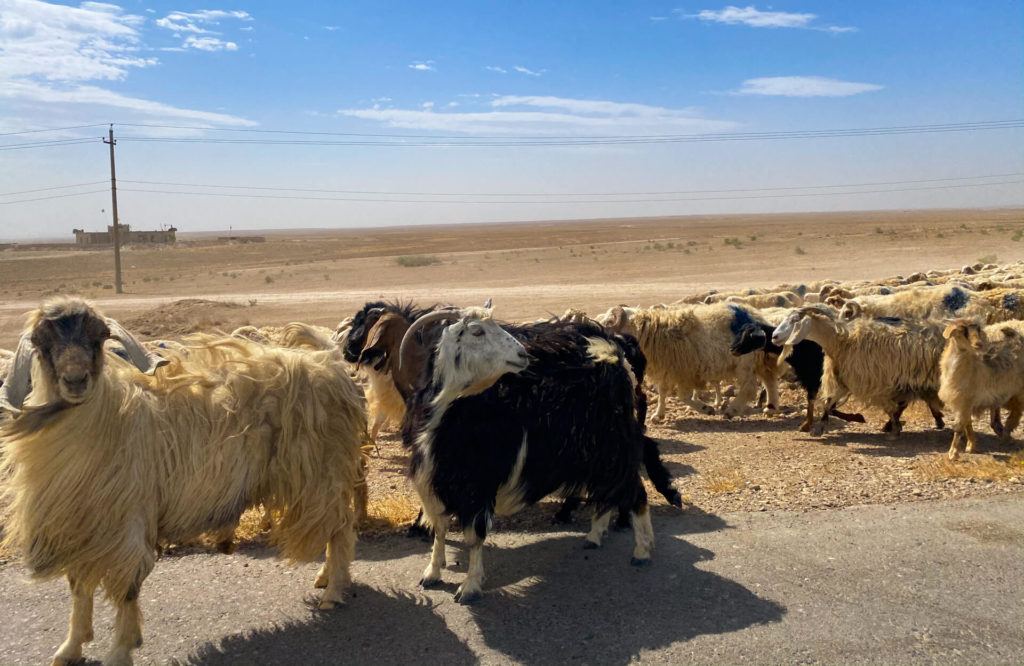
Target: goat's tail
{"x": 659, "y": 476}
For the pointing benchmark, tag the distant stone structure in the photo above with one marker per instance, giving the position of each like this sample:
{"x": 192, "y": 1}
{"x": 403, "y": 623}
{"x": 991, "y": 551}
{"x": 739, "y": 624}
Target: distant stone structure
{"x": 126, "y": 234}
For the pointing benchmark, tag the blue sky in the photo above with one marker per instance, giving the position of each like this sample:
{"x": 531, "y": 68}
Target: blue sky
{"x": 556, "y": 72}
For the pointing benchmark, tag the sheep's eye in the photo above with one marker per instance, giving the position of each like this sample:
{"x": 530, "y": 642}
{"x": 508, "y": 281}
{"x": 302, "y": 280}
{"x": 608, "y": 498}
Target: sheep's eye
{"x": 476, "y": 330}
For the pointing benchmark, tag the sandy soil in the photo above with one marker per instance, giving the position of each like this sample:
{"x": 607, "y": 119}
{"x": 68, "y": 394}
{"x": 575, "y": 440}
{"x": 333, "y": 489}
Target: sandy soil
{"x": 531, "y": 270}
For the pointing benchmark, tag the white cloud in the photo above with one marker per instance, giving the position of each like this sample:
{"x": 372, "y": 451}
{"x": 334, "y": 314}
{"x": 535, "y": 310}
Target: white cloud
{"x": 93, "y": 95}
{"x": 519, "y": 115}
{"x": 753, "y": 17}
{"x": 427, "y": 66}
{"x": 523, "y": 70}
{"x": 209, "y": 44}
{"x": 804, "y": 86}
{"x": 657, "y": 18}
{"x": 500, "y": 70}
{"x": 331, "y": 28}
{"x": 190, "y": 21}
{"x": 50, "y": 52}
{"x": 428, "y": 105}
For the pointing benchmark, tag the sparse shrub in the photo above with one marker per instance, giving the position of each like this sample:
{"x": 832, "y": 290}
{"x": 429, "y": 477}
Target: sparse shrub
{"x": 1017, "y": 235}
{"x": 879, "y": 230}
{"x": 268, "y": 279}
{"x": 95, "y": 284}
{"x": 800, "y": 250}
{"x": 147, "y": 279}
{"x": 108, "y": 286}
{"x": 414, "y": 260}
{"x": 691, "y": 243}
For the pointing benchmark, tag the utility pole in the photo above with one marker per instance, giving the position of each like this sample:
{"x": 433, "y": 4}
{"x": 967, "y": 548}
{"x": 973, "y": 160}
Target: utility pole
{"x": 113, "y": 199}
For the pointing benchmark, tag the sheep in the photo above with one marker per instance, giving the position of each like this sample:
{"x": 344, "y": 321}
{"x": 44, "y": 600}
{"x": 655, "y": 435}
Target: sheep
{"x": 982, "y": 367}
{"x": 805, "y": 358}
{"x": 770, "y": 300}
{"x": 939, "y": 303}
{"x": 687, "y": 347}
{"x": 885, "y": 364}
{"x": 103, "y": 462}
{"x": 565, "y": 422}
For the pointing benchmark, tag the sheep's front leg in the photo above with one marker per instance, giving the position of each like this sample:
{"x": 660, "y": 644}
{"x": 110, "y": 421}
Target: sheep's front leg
{"x": 745, "y": 394}
{"x": 80, "y": 626}
{"x": 127, "y": 631}
{"x": 659, "y": 411}
{"x": 473, "y": 586}
{"x": 771, "y": 385}
{"x": 809, "y": 420}
{"x": 818, "y": 429}
{"x": 598, "y": 528}
{"x": 995, "y": 421}
{"x": 432, "y": 574}
{"x": 972, "y": 438}
{"x": 340, "y": 551}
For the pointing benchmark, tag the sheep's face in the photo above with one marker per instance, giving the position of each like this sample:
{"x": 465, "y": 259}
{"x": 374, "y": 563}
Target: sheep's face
{"x": 472, "y": 354}
{"x": 793, "y": 329}
{"x": 618, "y": 319}
{"x": 70, "y": 351}
{"x": 750, "y": 338}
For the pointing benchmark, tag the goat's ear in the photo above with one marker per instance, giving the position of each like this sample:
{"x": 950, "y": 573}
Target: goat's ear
{"x": 489, "y": 304}
{"x": 144, "y": 360}
{"x": 16, "y": 384}
{"x": 1009, "y": 332}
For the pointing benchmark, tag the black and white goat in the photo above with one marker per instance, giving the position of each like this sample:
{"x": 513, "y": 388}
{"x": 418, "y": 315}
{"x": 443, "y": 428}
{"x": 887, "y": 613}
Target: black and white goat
{"x": 567, "y": 423}
{"x": 806, "y": 358}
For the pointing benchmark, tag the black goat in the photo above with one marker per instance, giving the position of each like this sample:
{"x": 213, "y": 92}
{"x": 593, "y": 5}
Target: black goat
{"x": 566, "y": 424}
{"x": 807, "y": 360}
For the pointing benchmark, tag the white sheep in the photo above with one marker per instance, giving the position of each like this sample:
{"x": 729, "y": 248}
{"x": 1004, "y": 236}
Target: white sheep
{"x": 881, "y": 364}
{"x": 687, "y": 347}
{"x": 103, "y": 462}
{"x": 982, "y": 368}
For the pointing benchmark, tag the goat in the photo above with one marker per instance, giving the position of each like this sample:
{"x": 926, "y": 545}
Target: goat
{"x": 383, "y": 349}
{"x": 886, "y": 364}
{"x": 805, "y": 358}
{"x": 687, "y": 347}
{"x": 103, "y": 463}
{"x": 567, "y": 423}
{"x": 982, "y": 367}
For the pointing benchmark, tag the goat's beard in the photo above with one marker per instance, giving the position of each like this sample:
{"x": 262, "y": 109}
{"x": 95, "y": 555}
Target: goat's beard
{"x": 35, "y": 417}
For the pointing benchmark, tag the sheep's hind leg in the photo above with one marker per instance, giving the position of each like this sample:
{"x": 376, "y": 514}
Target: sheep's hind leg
{"x": 432, "y": 574}
{"x": 127, "y": 630}
{"x": 995, "y": 420}
{"x": 643, "y": 531}
{"x": 1012, "y": 419}
{"x": 698, "y": 405}
{"x": 80, "y": 626}
{"x": 972, "y": 438}
{"x": 340, "y": 551}
{"x": 598, "y": 528}
{"x": 954, "y": 447}
{"x": 473, "y": 536}
{"x": 809, "y": 420}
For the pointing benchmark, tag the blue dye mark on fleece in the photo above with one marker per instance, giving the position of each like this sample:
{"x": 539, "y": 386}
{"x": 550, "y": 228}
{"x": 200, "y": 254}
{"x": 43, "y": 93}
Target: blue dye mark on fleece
{"x": 740, "y": 318}
{"x": 956, "y": 299}
{"x": 1011, "y": 300}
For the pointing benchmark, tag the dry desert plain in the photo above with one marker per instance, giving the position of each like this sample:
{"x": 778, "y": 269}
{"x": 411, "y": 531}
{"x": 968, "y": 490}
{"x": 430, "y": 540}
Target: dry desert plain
{"x": 534, "y": 269}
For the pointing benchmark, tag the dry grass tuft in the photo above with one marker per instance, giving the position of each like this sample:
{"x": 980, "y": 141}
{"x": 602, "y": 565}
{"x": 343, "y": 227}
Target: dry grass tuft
{"x": 1000, "y": 467}
{"x": 389, "y": 515}
{"x": 724, "y": 481}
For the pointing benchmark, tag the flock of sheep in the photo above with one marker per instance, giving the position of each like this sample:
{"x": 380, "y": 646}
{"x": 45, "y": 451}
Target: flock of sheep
{"x": 109, "y": 451}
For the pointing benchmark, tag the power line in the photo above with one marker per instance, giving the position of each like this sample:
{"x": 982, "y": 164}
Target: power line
{"x": 48, "y": 144}
{"x": 398, "y": 140}
{"x": 52, "y": 129}
{"x": 563, "y": 194}
{"x": 571, "y": 201}
{"x": 55, "y": 196}
{"x": 56, "y": 187}
{"x": 986, "y": 124}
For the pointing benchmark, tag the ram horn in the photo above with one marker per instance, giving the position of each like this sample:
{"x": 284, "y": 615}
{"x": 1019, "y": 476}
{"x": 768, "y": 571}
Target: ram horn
{"x": 144, "y": 360}
{"x": 403, "y": 350}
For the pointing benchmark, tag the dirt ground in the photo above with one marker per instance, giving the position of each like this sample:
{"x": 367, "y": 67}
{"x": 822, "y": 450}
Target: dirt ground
{"x": 534, "y": 269}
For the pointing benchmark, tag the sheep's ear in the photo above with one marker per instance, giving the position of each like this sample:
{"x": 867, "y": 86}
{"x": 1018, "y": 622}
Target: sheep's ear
{"x": 488, "y": 305}
{"x": 16, "y": 384}
{"x": 1009, "y": 332}
{"x": 144, "y": 360}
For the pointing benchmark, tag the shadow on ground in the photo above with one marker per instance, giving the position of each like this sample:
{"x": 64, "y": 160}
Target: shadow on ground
{"x": 552, "y": 602}
{"x": 375, "y": 627}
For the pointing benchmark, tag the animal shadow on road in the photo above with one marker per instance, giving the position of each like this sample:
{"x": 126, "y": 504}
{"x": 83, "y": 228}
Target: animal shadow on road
{"x": 375, "y": 627}
{"x": 551, "y": 602}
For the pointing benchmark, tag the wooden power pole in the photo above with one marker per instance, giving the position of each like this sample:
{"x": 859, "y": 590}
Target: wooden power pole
{"x": 113, "y": 200}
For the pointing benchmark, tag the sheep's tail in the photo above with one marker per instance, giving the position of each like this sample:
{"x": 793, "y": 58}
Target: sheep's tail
{"x": 659, "y": 476}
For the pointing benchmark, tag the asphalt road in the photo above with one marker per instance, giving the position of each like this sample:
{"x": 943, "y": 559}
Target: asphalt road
{"x": 918, "y": 583}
